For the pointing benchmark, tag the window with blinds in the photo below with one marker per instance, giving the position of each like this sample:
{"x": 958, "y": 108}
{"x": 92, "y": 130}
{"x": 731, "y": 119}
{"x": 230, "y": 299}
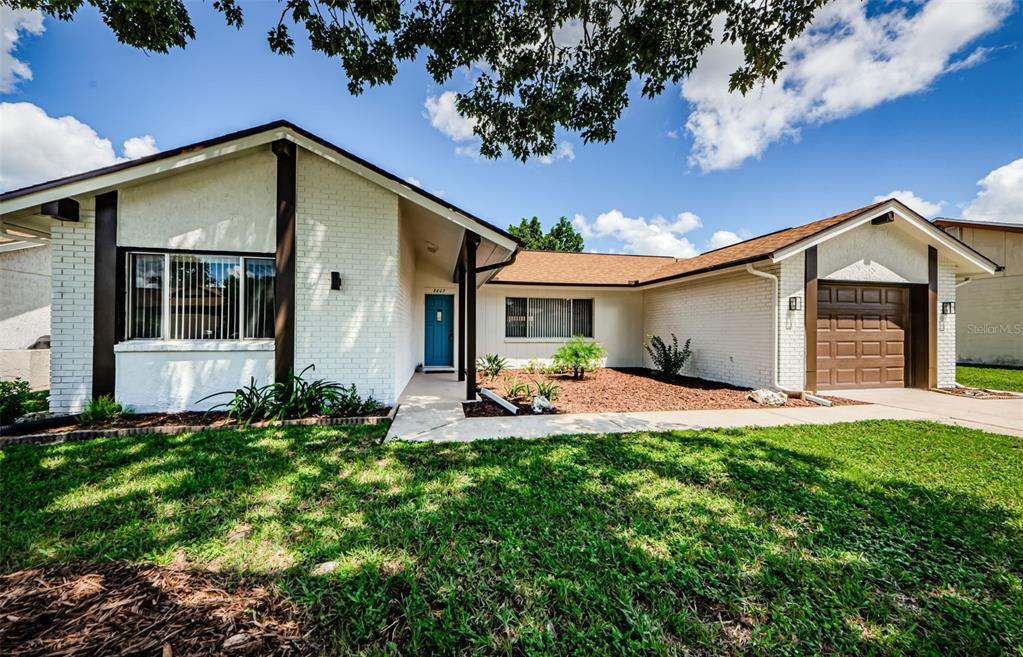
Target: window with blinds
{"x": 548, "y": 318}
{"x": 190, "y": 296}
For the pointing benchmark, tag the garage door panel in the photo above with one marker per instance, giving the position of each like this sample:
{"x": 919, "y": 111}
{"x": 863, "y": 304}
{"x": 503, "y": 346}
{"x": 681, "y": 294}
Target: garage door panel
{"x": 861, "y": 332}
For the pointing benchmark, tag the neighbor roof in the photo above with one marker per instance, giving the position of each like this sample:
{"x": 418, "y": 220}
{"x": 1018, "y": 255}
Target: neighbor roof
{"x": 945, "y": 222}
{"x": 249, "y": 132}
{"x": 544, "y": 268}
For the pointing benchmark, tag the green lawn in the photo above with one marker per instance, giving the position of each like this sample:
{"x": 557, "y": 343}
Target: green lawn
{"x": 995, "y": 378}
{"x": 869, "y": 538}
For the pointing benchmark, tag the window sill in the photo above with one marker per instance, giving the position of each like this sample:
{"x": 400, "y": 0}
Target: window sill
{"x": 137, "y": 346}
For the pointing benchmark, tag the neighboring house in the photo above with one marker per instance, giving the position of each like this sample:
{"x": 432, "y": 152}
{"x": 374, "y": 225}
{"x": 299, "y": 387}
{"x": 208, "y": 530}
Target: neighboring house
{"x": 989, "y": 310}
{"x": 24, "y": 311}
{"x": 264, "y": 251}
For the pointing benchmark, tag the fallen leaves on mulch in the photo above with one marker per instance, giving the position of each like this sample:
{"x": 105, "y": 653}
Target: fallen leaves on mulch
{"x": 627, "y": 390}
{"x": 118, "y": 608}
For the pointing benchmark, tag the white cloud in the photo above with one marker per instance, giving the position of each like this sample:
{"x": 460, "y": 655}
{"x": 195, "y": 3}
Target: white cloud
{"x": 444, "y": 116}
{"x": 845, "y": 63}
{"x": 137, "y": 147}
{"x": 36, "y": 147}
{"x": 926, "y": 208}
{"x": 12, "y": 23}
{"x": 1001, "y": 195}
{"x": 658, "y": 236}
{"x": 412, "y": 180}
{"x": 564, "y": 151}
{"x": 722, "y": 238}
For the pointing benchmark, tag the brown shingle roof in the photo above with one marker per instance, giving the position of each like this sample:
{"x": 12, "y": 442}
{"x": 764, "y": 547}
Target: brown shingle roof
{"x": 546, "y": 268}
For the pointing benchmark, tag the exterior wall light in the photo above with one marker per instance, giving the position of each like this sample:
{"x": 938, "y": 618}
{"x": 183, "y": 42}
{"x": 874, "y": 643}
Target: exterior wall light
{"x": 948, "y": 307}
{"x": 795, "y": 303}
{"x": 335, "y": 280}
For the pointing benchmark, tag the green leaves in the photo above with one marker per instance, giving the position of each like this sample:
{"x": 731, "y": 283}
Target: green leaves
{"x": 667, "y": 360}
{"x": 537, "y": 67}
{"x": 562, "y": 236}
{"x": 578, "y": 356}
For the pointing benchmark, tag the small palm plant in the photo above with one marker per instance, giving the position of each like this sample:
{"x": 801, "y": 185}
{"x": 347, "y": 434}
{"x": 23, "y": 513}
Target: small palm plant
{"x": 668, "y": 360}
{"x": 490, "y": 365}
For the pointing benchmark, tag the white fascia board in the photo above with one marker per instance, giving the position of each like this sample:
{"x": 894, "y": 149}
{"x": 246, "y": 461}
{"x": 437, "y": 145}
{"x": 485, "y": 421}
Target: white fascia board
{"x": 115, "y": 179}
{"x": 925, "y": 227}
{"x": 403, "y": 191}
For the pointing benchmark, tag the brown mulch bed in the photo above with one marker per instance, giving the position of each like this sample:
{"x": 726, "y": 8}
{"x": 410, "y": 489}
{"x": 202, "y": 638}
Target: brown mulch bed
{"x": 117, "y": 608}
{"x": 979, "y": 393}
{"x": 613, "y": 390}
{"x": 485, "y": 408}
{"x": 147, "y": 420}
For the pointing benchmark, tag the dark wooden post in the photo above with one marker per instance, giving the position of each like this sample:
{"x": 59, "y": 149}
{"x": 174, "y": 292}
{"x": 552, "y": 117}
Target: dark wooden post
{"x": 932, "y": 317}
{"x": 460, "y": 276}
{"x": 284, "y": 283}
{"x": 104, "y": 301}
{"x": 810, "y": 317}
{"x": 472, "y": 242}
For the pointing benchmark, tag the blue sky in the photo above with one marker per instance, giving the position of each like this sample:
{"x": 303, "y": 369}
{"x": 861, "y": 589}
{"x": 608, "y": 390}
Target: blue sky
{"x": 930, "y": 106}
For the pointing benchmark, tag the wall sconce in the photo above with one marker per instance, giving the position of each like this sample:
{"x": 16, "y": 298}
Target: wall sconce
{"x": 795, "y": 303}
{"x": 948, "y": 307}
{"x": 335, "y": 280}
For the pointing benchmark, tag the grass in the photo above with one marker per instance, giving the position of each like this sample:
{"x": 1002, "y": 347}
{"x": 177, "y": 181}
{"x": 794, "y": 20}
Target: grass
{"x": 868, "y": 538}
{"x": 995, "y": 378}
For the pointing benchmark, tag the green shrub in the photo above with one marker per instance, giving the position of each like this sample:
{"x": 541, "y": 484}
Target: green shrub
{"x": 102, "y": 409}
{"x": 548, "y": 389}
{"x": 518, "y": 389}
{"x": 38, "y": 401}
{"x": 579, "y": 356}
{"x": 13, "y": 396}
{"x": 292, "y": 398}
{"x": 490, "y": 365}
{"x": 668, "y": 360}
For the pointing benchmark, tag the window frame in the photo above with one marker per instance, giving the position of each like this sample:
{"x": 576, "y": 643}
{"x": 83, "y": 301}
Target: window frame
{"x": 571, "y": 319}
{"x": 124, "y": 260}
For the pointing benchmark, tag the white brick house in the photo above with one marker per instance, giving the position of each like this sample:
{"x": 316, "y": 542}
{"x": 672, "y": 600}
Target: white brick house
{"x": 247, "y": 256}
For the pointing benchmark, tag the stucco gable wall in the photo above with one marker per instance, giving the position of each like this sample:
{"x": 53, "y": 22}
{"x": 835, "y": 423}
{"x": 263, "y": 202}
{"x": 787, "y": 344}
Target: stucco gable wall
{"x": 873, "y": 254}
{"x": 227, "y": 206}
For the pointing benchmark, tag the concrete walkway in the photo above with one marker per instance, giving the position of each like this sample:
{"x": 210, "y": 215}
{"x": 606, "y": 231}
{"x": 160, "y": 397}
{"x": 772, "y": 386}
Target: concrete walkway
{"x": 431, "y": 410}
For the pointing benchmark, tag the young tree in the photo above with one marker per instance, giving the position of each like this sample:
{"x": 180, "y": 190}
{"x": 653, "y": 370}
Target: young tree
{"x": 542, "y": 65}
{"x": 561, "y": 237}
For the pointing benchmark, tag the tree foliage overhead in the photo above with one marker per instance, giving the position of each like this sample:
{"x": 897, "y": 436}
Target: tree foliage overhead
{"x": 562, "y": 236}
{"x": 540, "y": 65}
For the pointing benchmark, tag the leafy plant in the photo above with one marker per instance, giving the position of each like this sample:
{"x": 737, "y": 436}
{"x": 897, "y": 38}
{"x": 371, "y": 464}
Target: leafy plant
{"x": 102, "y": 409}
{"x": 292, "y": 398}
{"x": 13, "y": 396}
{"x": 534, "y": 366}
{"x": 348, "y": 403}
{"x": 490, "y": 365}
{"x": 668, "y": 360}
{"x": 549, "y": 389}
{"x": 579, "y": 356}
{"x": 518, "y": 389}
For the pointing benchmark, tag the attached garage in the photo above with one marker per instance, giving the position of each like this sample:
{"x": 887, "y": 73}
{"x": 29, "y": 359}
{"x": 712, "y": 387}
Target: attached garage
{"x": 863, "y": 333}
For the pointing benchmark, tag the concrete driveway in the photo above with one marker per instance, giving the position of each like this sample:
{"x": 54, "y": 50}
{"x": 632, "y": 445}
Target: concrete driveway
{"x": 997, "y": 415}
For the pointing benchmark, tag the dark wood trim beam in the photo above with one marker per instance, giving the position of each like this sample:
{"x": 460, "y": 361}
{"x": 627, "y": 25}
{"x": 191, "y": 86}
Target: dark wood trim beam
{"x": 284, "y": 283}
{"x": 472, "y": 243}
{"x": 932, "y": 317}
{"x": 65, "y": 209}
{"x": 810, "y": 316}
{"x": 104, "y": 293}
{"x": 460, "y": 275}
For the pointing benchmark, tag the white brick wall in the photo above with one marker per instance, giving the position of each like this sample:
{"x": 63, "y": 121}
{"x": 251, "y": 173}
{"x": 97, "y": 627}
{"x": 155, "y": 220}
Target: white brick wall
{"x": 791, "y": 323}
{"x": 71, "y": 320}
{"x": 346, "y": 224}
{"x": 729, "y": 319}
{"x": 405, "y": 360}
{"x": 946, "y": 324}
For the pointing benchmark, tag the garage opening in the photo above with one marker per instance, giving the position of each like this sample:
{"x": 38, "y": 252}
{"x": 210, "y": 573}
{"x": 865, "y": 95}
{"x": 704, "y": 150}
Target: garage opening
{"x": 863, "y": 336}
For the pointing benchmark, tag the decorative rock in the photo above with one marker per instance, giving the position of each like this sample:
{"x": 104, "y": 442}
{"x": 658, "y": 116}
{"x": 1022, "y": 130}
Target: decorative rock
{"x": 768, "y": 397}
{"x": 324, "y": 568}
{"x": 541, "y": 405}
{"x": 237, "y": 641}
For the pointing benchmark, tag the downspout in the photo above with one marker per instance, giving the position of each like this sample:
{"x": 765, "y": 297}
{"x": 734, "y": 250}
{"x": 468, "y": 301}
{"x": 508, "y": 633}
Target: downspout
{"x": 774, "y": 332}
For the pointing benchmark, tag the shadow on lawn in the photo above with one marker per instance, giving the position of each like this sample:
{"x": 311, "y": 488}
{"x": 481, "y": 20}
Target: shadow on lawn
{"x": 717, "y": 542}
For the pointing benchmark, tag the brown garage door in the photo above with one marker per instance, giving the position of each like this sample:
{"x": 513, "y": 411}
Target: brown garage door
{"x": 861, "y": 336}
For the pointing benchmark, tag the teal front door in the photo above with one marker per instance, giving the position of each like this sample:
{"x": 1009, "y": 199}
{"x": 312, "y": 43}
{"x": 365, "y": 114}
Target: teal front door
{"x": 440, "y": 330}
